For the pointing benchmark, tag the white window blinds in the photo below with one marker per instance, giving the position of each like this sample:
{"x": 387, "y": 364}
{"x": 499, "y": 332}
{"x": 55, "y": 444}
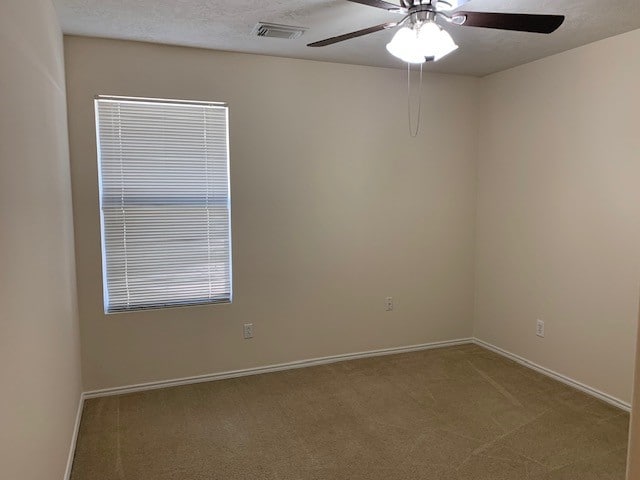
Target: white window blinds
{"x": 164, "y": 201}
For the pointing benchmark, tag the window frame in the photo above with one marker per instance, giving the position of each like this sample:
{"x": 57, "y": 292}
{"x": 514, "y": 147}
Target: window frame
{"x": 169, "y": 304}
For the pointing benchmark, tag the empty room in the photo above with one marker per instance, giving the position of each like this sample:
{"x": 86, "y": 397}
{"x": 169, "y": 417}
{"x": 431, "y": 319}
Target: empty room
{"x": 319, "y": 239}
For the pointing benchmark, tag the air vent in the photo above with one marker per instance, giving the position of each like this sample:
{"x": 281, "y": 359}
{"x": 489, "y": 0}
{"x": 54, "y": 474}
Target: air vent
{"x": 274, "y": 30}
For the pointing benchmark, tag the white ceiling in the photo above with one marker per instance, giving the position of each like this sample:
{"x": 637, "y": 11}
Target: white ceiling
{"x": 227, "y": 25}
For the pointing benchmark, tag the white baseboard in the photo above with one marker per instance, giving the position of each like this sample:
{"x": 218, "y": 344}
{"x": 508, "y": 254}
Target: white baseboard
{"x": 272, "y": 368}
{"x": 351, "y": 356}
{"x": 616, "y": 402}
{"x": 74, "y": 438}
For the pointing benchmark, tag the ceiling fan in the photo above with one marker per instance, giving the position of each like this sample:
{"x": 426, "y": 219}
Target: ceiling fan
{"x": 420, "y": 38}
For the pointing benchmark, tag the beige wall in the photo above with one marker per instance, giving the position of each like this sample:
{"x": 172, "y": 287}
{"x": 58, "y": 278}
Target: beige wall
{"x": 335, "y": 207}
{"x": 558, "y": 225}
{"x": 633, "y": 472}
{"x": 39, "y": 338}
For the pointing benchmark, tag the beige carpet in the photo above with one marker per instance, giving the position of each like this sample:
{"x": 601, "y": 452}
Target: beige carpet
{"x": 456, "y": 413}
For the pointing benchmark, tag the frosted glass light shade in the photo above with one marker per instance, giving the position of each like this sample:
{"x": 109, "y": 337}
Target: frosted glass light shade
{"x": 412, "y": 45}
{"x": 405, "y": 46}
{"x": 435, "y": 42}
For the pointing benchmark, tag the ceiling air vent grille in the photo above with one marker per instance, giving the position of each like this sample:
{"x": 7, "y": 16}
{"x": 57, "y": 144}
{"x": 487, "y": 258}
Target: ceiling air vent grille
{"x": 274, "y": 30}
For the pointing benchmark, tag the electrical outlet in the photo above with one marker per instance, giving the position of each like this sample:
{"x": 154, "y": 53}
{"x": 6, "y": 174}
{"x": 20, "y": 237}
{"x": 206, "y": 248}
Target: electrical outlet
{"x": 248, "y": 331}
{"x": 540, "y": 328}
{"x": 388, "y": 304}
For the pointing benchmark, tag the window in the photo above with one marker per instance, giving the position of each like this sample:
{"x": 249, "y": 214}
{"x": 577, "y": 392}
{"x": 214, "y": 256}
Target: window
{"x": 164, "y": 202}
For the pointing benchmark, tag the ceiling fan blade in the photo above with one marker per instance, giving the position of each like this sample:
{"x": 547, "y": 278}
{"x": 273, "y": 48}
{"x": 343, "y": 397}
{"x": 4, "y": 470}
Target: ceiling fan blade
{"x": 521, "y": 22}
{"x": 347, "y": 36}
{"x": 379, "y": 4}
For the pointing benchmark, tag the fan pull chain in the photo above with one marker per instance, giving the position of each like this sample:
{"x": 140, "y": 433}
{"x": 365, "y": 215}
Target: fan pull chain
{"x": 417, "y": 129}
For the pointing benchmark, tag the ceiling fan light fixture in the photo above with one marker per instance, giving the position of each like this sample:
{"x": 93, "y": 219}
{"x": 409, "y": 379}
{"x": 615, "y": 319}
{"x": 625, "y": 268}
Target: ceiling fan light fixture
{"x": 435, "y": 42}
{"x": 427, "y": 39}
{"x": 405, "y": 46}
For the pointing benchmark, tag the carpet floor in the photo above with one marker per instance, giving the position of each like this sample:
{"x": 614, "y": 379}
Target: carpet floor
{"x": 458, "y": 413}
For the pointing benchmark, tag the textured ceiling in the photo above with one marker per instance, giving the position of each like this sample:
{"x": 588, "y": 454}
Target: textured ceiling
{"x": 227, "y": 25}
